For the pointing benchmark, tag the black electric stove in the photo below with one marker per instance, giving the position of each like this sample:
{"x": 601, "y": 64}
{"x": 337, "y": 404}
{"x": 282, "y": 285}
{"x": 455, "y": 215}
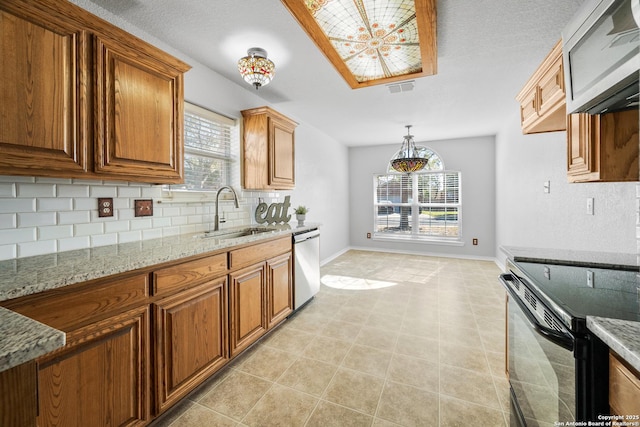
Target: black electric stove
{"x": 558, "y": 370}
{"x": 575, "y": 292}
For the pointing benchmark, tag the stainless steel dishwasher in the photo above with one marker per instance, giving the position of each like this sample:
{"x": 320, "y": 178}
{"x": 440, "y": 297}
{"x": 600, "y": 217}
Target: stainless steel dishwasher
{"x": 306, "y": 274}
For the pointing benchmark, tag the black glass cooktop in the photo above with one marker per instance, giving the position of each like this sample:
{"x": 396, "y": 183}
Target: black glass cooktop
{"x": 584, "y": 291}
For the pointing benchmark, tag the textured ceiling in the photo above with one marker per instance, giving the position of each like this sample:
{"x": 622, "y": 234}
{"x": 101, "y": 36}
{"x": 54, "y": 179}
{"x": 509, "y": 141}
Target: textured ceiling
{"x": 487, "y": 49}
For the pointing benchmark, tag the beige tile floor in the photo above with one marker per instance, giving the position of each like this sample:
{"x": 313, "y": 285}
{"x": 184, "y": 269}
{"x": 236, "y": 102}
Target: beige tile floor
{"x": 390, "y": 340}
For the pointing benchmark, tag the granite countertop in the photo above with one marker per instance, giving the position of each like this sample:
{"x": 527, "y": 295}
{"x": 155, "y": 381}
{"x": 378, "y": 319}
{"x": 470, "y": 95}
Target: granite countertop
{"x": 619, "y": 261}
{"x": 26, "y": 276}
{"x": 23, "y": 339}
{"x": 622, "y": 336}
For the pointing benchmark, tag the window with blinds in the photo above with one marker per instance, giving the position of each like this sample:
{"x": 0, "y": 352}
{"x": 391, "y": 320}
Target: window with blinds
{"x": 425, "y": 205}
{"x": 207, "y": 150}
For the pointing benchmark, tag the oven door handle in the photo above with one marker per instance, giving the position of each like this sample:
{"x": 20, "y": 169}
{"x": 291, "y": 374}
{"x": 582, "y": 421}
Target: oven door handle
{"x": 550, "y": 334}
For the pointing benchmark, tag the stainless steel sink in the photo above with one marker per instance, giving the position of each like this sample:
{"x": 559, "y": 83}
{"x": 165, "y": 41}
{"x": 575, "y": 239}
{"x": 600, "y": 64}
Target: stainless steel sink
{"x": 236, "y": 233}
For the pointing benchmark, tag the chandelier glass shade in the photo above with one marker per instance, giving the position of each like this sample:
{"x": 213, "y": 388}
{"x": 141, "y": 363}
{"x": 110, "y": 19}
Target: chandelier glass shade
{"x": 409, "y": 159}
{"x": 255, "y": 68}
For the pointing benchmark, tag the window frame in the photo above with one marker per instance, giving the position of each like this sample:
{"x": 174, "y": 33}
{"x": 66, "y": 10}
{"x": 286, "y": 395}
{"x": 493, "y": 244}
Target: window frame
{"x": 178, "y": 195}
{"x": 414, "y": 204}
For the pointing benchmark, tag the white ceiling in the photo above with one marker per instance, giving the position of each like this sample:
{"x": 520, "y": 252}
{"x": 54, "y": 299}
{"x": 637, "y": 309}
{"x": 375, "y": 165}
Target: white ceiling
{"x": 487, "y": 49}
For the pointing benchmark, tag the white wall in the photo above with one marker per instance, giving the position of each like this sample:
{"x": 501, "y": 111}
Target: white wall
{"x": 526, "y": 216}
{"x": 41, "y": 215}
{"x": 473, "y": 157}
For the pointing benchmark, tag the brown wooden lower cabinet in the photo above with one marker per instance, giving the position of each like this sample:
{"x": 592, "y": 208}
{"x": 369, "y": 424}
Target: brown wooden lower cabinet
{"x": 280, "y": 287}
{"x": 101, "y": 377}
{"x": 138, "y": 343}
{"x": 18, "y": 396}
{"x": 624, "y": 388}
{"x": 191, "y": 339}
{"x": 247, "y": 306}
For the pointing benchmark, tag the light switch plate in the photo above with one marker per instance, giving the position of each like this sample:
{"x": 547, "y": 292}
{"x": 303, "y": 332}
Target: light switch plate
{"x": 143, "y": 207}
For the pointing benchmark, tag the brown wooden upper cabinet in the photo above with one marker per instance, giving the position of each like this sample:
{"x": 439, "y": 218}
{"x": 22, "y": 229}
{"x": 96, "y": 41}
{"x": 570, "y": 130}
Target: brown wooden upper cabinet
{"x": 85, "y": 99}
{"x": 542, "y": 99}
{"x": 268, "y": 150}
{"x": 602, "y": 147}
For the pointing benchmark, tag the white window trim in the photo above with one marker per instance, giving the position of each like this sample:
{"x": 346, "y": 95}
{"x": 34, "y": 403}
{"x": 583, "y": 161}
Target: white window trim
{"x": 414, "y": 237}
{"x": 185, "y": 196}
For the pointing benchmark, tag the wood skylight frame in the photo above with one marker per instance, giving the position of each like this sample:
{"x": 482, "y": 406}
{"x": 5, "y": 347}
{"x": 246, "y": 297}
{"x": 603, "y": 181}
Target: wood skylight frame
{"x": 415, "y": 34}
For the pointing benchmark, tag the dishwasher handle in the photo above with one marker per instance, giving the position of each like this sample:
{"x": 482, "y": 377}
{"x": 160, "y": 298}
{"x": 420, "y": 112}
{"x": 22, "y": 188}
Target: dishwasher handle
{"x": 301, "y": 237}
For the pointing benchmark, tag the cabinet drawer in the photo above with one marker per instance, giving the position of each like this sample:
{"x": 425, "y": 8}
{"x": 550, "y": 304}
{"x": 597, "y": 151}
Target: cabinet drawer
{"x": 259, "y": 252}
{"x": 73, "y": 306}
{"x": 624, "y": 388}
{"x": 189, "y": 273}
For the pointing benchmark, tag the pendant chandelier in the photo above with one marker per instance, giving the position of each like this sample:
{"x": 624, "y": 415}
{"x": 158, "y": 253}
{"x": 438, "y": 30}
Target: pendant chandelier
{"x": 409, "y": 159}
{"x": 255, "y": 68}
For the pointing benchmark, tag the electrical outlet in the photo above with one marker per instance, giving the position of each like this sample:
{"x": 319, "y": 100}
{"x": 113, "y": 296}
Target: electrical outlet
{"x": 368, "y": 235}
{"x": 590, "y": 278}
{"x": 143, "y": 208}
{"x": 475, "y": 242}
{"x": 105, "y": 207}
{"x": 547, "y": 187}
{"x": 590, "y": 206}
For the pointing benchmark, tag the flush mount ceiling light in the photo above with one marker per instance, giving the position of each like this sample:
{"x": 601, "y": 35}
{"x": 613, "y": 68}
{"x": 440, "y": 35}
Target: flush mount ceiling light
{"x": 255, "y": 68}
{"x": 409, "y": 158}
{"x": 372, "y": 42}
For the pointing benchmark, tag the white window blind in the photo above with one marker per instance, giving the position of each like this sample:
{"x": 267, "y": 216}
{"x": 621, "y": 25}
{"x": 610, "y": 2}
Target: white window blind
{"x": 207, "y": 150}
{"x": 424, "y": 205}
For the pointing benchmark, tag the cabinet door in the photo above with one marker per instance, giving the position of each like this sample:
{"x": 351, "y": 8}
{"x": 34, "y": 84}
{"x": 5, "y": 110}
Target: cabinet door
{"x": 281, "y": 154}
{"x": 551, "y": 90}
{"x": 529, "y": 109}
{"x": 247, "y": 305}
{"x": 583, "y": 144}
{"x": 280, "y": 286}
{"x": 139, "y": 114}
{"x": 100, "y": 377}
{"x": 43, "y": 99}
{"x": 191, "y": 339}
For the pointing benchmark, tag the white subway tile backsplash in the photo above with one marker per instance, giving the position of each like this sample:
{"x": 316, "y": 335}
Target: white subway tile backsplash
{"x": 55, "y": 232}
{"x": 31, "y": 219}
{"x": 88, "y": 229}
{"x": 39, "y": 216}
{"x": 8, "y": 252}
{"x": 161, "y": 222}
{"x": 4, "y": 178}
{"x": 102, "y": 191}
{"x": 122, "y": 203}
{"x": 18, "y": 235}
{"x": 154, "y": 192}
{"x": 35, "y": 190}
{"x": 8, "y": 220}
{"x": 141, "y": 224}
{"x": 85, "y": 204}
{"x": 17, "y": 205}
{"x": 37, "y": 248}
{"x": 116, "y": 226}
{"x": 7, "y": 189}
{"x": 74, "y": 243}
{"x": 73, "y": 190}
{"x": 104, "y": 240}
{"x": 129, "y": 236}
{"x": 179, "y": 220}
{"x": 129, "y": 192}
{"x": 54, "y": 204}
{"x": 154, "y": 233}
{"x": 73, "y": 217}
{"x": 44, "y": 179}
{"x": 170, "y": 231}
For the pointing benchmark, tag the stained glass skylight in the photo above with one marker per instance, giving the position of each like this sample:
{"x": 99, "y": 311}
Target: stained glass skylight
{"x": 372, "y": 41}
